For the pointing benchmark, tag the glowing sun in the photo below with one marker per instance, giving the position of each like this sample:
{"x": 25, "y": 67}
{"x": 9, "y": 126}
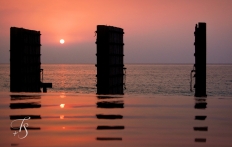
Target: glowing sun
{"x": 62, "y": 41}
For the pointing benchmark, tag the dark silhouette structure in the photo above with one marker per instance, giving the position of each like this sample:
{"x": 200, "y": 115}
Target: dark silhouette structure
{"x": 26, "y": 74}
{"x": 200, "y": 60}
{"x": 110, "y": 66}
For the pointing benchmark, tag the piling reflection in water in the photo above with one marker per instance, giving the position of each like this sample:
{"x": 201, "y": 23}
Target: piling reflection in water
{"x": 25, "y": 105}
{"x": 110, "y": 127}
{"x": 200, "y": 139}
{"x": 200, "y": 117}
{"x": 200, "y": 128}
{"x": 24, "y": 97}
{"x": 107, "y": 105}
{"x": 102, "y": 116}
{"x": 22, "y": 128}
{"x": 108, "y": 97}
{"x": 108, "y": 138}
{"x": 14, "y": 144}
{"x": 23, "y": 116}
{"x": 19, "y": 103}
{"x": 110, "y": 104}
{"x": 201, "y": 104}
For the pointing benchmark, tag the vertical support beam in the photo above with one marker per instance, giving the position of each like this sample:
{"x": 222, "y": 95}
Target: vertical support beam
{"x": 44, "y": 89}
{"x": 200, "y": 60}
{"x": 110, "y": 64}
{"x": 24, "y": 60}
{"x": 25, "y": 65}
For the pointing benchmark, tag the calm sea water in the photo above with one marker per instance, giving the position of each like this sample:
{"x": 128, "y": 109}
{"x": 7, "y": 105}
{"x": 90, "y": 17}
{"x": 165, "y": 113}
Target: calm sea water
{"x": 73, "y": 120}
{"x": 141, "y": 79}
{"x": 157, "y": 109}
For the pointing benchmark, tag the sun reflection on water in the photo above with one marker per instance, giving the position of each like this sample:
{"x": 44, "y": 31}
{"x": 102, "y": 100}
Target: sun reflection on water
{"x": 62, "y": 105}
{"x": 61, "y": 116}
{"x": 62, "y": 95}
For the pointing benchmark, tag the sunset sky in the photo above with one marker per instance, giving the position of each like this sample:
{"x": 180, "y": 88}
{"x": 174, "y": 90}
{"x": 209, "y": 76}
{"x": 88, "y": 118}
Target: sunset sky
{"x": 156, "y": 31}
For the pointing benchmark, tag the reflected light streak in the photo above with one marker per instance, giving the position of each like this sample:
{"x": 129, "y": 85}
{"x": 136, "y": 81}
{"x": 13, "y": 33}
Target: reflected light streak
{"x": 61, "y": 116}
{"x": 62, "y": 95}
{"x": 62, "y": 105}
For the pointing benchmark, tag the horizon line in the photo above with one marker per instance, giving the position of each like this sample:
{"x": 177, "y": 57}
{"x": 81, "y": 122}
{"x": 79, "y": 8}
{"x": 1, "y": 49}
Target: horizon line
{"x": 138, "y": 63}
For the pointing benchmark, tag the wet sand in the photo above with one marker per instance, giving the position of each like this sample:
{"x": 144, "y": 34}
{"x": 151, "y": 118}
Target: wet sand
{"x": 59, "y": 119}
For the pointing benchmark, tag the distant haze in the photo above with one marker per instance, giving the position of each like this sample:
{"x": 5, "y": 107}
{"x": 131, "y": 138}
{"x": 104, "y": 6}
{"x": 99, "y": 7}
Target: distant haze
{"x": 156, "y": 31}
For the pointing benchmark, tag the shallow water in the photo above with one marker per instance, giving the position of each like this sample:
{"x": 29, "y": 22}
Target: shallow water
{"x": 69, "y": 119}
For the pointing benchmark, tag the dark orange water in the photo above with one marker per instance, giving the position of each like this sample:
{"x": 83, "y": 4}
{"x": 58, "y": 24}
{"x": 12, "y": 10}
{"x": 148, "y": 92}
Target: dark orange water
{"x": 131, "y": 120}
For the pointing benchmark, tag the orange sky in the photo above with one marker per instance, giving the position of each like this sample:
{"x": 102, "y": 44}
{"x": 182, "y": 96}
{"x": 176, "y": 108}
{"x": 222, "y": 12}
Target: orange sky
{"x": 156, "y": 31}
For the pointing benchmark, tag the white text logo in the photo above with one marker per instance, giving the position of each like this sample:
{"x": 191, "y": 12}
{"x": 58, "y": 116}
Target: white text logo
{"x": 24, "y": 125}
